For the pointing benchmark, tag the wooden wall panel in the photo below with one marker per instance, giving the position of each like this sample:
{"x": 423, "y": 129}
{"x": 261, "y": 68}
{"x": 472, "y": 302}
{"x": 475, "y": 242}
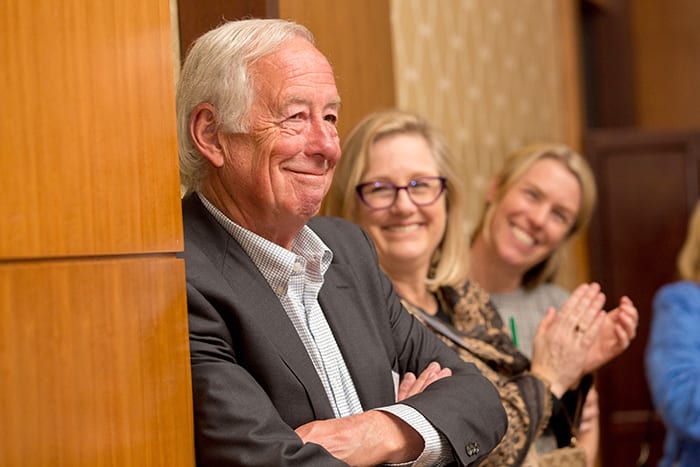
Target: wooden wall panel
{"x": 199, "y": 16}
{"x": 90, "y": 367}
{"x": 642, "y": 63}
{"x": 648, "y": 184}
{"x": 607, "y": 51}
{"x": 644, "y": 111}
{"x": 666, "y": 41}
{"x": 575, "y": 268}
{"x": 88, "y": 159}
{"x": 356, "y": 37}
{"x": 94, "y": 353}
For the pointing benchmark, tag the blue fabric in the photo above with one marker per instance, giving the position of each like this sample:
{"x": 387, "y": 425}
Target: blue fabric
{"x": 672, "y": 363}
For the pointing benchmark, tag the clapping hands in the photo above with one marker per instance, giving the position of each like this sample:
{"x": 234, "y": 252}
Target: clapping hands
{"x": 616, "y": 332}
{"x": 564, "y": 338}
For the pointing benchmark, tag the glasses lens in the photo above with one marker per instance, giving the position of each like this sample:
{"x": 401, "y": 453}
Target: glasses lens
{"x": 425, "y": 190}
{"x": 422, "y": 191}
{"x": 378, "y": 195}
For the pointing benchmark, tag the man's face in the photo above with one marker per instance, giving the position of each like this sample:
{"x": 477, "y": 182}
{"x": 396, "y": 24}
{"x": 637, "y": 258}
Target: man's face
{"x": 280, "y": 171}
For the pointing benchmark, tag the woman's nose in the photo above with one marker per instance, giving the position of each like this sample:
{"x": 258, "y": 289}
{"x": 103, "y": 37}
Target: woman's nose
{"x": 403, "y": 201}
{"x": 538, "y": 215}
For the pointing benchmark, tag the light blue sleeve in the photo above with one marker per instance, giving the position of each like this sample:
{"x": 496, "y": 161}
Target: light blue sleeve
{"x": 672, "y": 359}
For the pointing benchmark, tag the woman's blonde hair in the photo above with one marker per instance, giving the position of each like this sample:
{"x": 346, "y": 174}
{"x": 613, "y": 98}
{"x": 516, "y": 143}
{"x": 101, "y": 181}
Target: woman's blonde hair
{"x": 450, "y": 261}
{"x": 689, "y": 257}
{"x": 512, "y": 170}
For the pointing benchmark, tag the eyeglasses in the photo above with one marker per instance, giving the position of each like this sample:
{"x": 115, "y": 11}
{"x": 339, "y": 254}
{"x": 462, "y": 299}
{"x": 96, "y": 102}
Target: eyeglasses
{"x": 422, "y": 191}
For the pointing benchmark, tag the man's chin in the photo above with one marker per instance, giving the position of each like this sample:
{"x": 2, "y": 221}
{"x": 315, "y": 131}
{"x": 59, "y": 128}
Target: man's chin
{"x": 308, "y": 208}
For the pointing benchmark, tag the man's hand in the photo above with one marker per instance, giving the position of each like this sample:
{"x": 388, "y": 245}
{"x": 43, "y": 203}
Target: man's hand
{"x": 374, "y": 437}
{"x": 410, "y": 385}
{"x": 367, "y": 439}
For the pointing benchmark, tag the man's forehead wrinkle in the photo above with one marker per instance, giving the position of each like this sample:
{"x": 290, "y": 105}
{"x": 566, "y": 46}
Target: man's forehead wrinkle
{"x": 298, "y": 61}
{"x": 291, "y": 92}
{"x": 296, "y": 100}
{"x": 330, "y": 104}
{"x": 287, "y": 76}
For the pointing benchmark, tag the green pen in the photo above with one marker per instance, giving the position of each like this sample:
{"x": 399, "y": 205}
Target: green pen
{"x": 513, "y": 332}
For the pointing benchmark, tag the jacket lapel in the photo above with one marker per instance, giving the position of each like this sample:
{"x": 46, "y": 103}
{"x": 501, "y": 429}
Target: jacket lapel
{"x": 257, "y": 303}
{"x": 358, "y": 339}
{"x": 255, "y": 295}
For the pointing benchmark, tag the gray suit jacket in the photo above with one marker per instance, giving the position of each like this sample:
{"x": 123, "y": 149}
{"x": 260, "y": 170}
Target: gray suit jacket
{"x": 253, "y": 381}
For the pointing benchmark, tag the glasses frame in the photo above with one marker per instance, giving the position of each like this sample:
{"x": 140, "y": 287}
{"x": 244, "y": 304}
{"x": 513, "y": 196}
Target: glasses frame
{"x": 411, "y": 183}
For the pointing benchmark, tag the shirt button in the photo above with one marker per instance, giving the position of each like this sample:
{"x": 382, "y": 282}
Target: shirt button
{"x": 279, "y": 290}
{"x": 297, "y": 267}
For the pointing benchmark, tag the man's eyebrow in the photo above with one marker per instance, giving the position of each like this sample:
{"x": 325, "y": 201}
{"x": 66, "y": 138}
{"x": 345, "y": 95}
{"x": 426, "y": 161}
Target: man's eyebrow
{"x": 303, "y": 100}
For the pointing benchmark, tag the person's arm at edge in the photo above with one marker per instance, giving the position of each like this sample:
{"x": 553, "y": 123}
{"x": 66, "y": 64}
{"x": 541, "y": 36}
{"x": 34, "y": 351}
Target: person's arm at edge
{"x": 672, "y": 364}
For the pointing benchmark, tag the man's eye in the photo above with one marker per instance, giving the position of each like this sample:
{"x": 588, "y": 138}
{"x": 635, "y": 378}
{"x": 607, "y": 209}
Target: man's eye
{"x": 332, "y": 118}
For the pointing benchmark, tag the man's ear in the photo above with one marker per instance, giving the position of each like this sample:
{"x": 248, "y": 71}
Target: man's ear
{"x": 204, "y": 134}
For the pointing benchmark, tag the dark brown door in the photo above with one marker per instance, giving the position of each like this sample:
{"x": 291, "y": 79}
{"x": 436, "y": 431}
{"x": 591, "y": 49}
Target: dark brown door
{"x": 648, "y": 184}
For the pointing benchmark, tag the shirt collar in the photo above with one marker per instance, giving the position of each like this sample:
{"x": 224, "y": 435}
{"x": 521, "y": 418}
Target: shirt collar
{"x": 277, "y": 264}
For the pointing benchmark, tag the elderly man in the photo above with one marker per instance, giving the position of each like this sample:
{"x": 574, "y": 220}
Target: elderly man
{"x": 301, "y": 352}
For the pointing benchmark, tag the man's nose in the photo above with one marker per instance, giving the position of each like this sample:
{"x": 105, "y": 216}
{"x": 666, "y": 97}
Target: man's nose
{"x": 322, "y": 139}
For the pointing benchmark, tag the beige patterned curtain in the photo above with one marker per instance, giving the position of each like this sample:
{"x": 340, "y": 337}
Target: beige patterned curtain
{"x": 487, "y": 72}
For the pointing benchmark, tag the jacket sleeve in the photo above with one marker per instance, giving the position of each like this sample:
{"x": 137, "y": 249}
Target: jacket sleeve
{"x": 465, "y": 407}
{"x": 672, "y": 357}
